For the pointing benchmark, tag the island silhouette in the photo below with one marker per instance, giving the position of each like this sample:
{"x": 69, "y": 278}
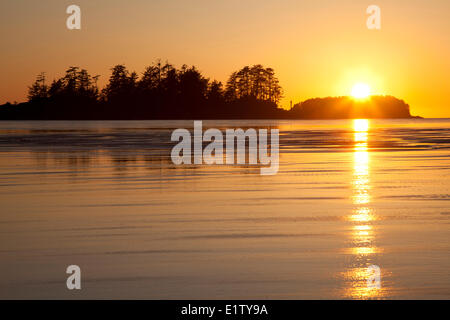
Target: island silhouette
{"x": 164, "y": 92}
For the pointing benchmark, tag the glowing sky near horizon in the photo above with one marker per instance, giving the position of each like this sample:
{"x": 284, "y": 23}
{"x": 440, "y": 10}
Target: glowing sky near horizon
{"x": 317, "y": 48}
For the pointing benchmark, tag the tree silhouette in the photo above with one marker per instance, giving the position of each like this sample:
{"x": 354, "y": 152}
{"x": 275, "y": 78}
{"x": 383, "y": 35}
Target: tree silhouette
{"x": 38, "y": 90}
{"x": 121, "y": 86}
{"x": 76, "y": 84}
{"x": 256, "y": 82}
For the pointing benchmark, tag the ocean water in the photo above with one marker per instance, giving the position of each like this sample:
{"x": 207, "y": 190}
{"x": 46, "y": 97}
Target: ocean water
{"x": 106, "y": 196}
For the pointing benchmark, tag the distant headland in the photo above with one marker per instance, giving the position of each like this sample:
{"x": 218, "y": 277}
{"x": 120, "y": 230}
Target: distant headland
{"x": 374, "y": 107}
{"x": 163, "y": 92}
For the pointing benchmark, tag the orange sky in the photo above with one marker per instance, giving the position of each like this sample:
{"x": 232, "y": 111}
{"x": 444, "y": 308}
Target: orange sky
{"x": 317, "y": 48}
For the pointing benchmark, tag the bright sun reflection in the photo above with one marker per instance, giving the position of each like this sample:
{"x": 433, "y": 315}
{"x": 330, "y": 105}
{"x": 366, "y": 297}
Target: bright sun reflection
{"x": 361, "y": 184}
{"x": 362, "y": 217}
{"x": 360, "y": 125}
{"x": 360, "y": 91}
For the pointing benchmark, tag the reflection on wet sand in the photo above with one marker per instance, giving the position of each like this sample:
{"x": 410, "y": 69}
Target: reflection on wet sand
{"x": 106, "y": 196}
{"x": 363, "y": 232}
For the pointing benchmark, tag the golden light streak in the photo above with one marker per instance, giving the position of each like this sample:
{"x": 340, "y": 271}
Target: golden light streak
{"x": 363, "y": 233}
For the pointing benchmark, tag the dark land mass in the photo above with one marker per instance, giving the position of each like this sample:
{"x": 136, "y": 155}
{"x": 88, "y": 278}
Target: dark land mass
{"x": 166, "y": 93}
{"x": 376, "y": 107}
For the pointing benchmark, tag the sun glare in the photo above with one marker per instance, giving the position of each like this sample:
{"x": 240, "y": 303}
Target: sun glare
{"x": 361, "y": 125}
{"x": 360, "y": 91}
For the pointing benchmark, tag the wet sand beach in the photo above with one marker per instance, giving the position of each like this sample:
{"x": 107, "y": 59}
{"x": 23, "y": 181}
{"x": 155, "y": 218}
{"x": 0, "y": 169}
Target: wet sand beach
{"x": 107, "y": 197}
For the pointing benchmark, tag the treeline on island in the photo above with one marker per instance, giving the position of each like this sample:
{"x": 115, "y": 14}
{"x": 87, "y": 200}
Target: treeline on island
{"x": 165, "y": 92}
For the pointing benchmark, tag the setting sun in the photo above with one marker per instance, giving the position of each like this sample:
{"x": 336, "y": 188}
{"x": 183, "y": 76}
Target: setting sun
{"x": 360, "y": 91}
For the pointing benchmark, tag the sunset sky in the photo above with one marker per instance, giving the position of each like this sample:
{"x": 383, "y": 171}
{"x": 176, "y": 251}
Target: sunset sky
{"x": 317, "y": 48}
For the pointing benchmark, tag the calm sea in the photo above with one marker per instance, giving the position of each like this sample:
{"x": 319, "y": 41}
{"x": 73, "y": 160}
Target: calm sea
{"x": 105, "y": 196}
